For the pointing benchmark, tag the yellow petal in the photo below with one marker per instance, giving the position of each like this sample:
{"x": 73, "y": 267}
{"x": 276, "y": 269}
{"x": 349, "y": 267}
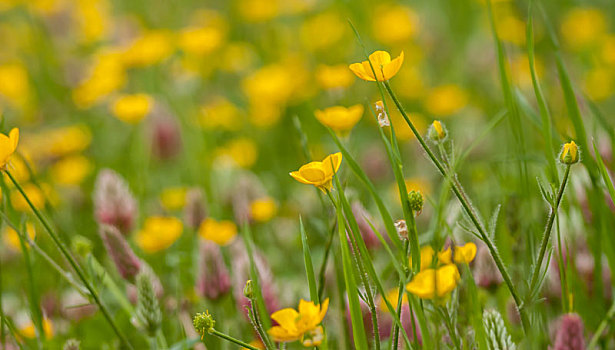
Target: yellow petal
{"x": 323, "y": 309}
{"x": 359, "y": 70}
{"x": 313, "y": 172}
{"x": 14, "y": 137}
{"x": 286, "y": 318}
{"x": 331, "y": 164}
{"x": 380, "y": 59}
{"x": 280, "y": 334}
{"x": 393, "y": 67}
{"x": 465, "y": 253}
{"x": 297, "y": 176}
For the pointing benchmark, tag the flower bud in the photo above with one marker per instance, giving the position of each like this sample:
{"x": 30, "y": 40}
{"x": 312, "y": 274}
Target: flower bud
{"x": 437, "y": 132}
{"x": 203, "y": 323}
{"x": 214, "y": 280}
{"x": 114, "y": 204}
{"x": 195, "y": 210}
{"x": 383, "y": 118}
{"x": 416, "y": 201}
{"x": 570, "y": 333}
{"x": 147, "y": 313}
{"x": 122, "y": 255}
{"x": 569, "y": 153}
{"x": 166, "y": 138}
{"x": 248, "y": 290}
{"x": 402, "y": 229}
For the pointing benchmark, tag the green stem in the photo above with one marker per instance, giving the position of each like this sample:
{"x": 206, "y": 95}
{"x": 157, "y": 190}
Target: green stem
{"x": 72, "y": 262}
{"x": 547, "y": 234}
{"x": 400, "y": 295}
{"x": 600, "y": 330}
{"x": 323, "y": 267}
{"x": 232, "y": 340}
{"x": 456, "y": 187}
{"x": 259, "y": 326}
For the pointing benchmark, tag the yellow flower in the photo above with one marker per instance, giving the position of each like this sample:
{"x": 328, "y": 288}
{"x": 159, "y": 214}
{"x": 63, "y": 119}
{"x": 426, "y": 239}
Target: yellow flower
{"x": 319, "y": 174}
{"x": 511, "y": 29}
{"x": 200, "y": 40}
{"x": 71, "y": 170}
{"x": 598, "y": 83}
{"x": 301, "y": 325}
{"x": 333, "y": 77}
{"x": 446, "y": 100}
{"x": 173, "y": 198}
{"x": 11, "y": 238}
{"x": 221, "y": 114}
{"x": 384, "y": 67}
{"x": 28, "y": 330}
{"x": 340, "y": 118}
{"x": 263, "y": 209}
{"x": 243, "y": 152}
{"x": 159, "y": 233}
{"x": 8, "y": 145}
{"x": 151, "y": 48}
{"x": 323, "y": 30}
{"x": 583, "y": 27}
{"x": 220, "y": 232}
{"x": 132, "y": 108}
{"x": 432, "y": 283}
{"x": 427, "y": 257}
{"x": 570, "y": 153}
{"x": 258, "y": 10}
{"x": 394, "y": 24}
{"x": 107, "y": 75}
{"x": 464, "y": 254}
{"x": 14, "y": 84}
{"x": 34, "y": 193}
{"x": 392, "y": 296}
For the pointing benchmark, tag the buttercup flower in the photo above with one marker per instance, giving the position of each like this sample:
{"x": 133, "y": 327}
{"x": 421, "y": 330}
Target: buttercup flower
{"x": 220, "y": 232}
{"x": 319, "y": 174}
{"x": 432, "y": 283}
{"x": 159, "y": 233}
{"x": 301, "y": 325}
{"x": 384, "y": 67}
{"x": 569, "y": 153}
{"x": 340, "y": 119}
{"x": 263, "y": 209}
{"x": 437, "y": 132}
{"x": 132, "y": 108}
{"x": 464, "y": 254}
{"x": 8, "y": 145}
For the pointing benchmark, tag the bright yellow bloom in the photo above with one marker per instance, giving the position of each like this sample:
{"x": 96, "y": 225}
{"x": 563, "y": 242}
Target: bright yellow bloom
{"x": 333, "y": 77}
{"x": 106, "y": 75}
{"x": 583, "y": 27}
{"x": 302, "y": 325}
{"x": 132, "y": 108}
{"x": 173, "y": 198}
{"x": 242, "y": 152}
{"x": 34, "y": 193}
{"x": 11, "y": 238}
{"x": 464, "y": 254}
{"x": 427, "y": 257}
{"x": 570, "y": 153}
{"x": 200, "y": 40}
{"x": 28, "y": 330}
{"x": 384, "y": 67}
{"x": 319, "y": 174}
{"x": 432, "y": 283}
{"x": 446, "y": 100}
{"x": 220, "y": 232}
{"x": 263, "y": 209}
{"x": 8, "y": 145}
{"x": 149, "y": 49}
{"x": 340, "y": 118}
{"x": 159, "y": 233}
{"x": 392, "y": 296}
{"x": 71, "y": 170}
{"x": 394, "y": 24}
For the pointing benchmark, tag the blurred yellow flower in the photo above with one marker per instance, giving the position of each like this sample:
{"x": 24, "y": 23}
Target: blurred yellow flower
{"x": 8, "y": 145}
{"x": 151, "y": 48}
{"x": 446, "y": 100}
{"x": 319, "y": 174}
{"x": 264, "y": 115}
{"x": 340, "y": 119}
{"x": 221, "y": 114}
{"x": 511, "y": 29}
{"x": 464, "y": 254}
{"x": 106, "y": 76}
{"x": 384, "y": 67}
{"x": 93, "y": 18}
{"x": 34, "y": 193}
{"x": 11, "y": 238}
{"x": 263, "y": 209}
{"x": 258, "y": 10}
{"x": 583, "y": 27}
{"x": 301, "y": 325}
{"x": 221, "y": 232}
{"x": 173, "y": 198}
{"x": 200, "y": 40}
{"x": 270, "y": 84}
{"x": 608, "y": 50}
{"x": 598, "y": 83}
{"x": 520, "y": 68}
{"x": 237, "y": 57}
{"x": 242, "y": 152}
{"x": 29, "y": 331}
{"x": 432, "y": 283}
{"x": 158, "y": 233}
{"x": 71, "y": 170}
{"x": 392, "y": 296}
{"x": 14, "y": 83}
{"x": 333, "y": 77}
{"x": 409, "y": 83}
{"x": 132, "y": 108}
{"x": 65, "y": 140}
{"x": 402, "y": 130}
{"x": 393, "y": 24}
{"x": 323, "y": 30}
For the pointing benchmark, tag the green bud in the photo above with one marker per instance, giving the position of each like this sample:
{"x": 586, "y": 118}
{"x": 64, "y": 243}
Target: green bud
{"x": 248, "y": 290}
{"x": 437, "y": 132}
{"x": 203, "y": 323}
{"x": 569, "y": 153}
{"x": 416, "y": 201}
{"x": 148, "y": 315}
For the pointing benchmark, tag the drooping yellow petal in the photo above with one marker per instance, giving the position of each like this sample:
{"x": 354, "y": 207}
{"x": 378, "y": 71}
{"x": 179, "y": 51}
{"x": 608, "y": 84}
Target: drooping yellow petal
{"x": 359, "y": 70}
{"x": 14, "y": 137}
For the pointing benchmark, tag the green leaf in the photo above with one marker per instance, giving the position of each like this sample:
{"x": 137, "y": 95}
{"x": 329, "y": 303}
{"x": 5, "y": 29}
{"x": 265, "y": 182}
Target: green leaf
{"x": 309, "y": 267}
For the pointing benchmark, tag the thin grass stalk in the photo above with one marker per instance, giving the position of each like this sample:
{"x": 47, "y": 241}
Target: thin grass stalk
{"x": 72, "y": 262}
{"x": 2, "y": 320}
{"x": 547, "y": 233}
{"x": 232, "y": 340}
{"x": 325, "y": 260}
{"x": 258, "y": 296}
{"x": 400, "y": 296}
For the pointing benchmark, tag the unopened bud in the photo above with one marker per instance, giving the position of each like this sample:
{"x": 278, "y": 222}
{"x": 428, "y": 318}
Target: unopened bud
{"x": 416, "y": 201}
{"x": 402, "y": 229}
{"x": 114, "y": 203}
{"x": 437, "y": 132}
{"x": 148, "y": 313}
{"x": 120, "y": 251}
{"x": 203, "y": 323}
{"x": 383, "y": 118}
{"x": 248, "y": 290}
{"x": 569, "y": 153}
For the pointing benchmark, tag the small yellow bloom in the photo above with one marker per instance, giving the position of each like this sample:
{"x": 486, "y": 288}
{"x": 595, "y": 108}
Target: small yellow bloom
{"x": 11, "y": 238}
{"x": 14, "y": 83}
{"x": 301, "y": 325}
{"x": 394, "y": 24}
{"x": 427, "y": 257}
{"x": 220, "y": 232}
{"x": 319, "y": 174}
{"x": 149, "y": 49}
{"x": 340, "y": 119}
{"x": 333, "y": 77}
{"x": 8, "y": 145}
{"x": 71, "y": 170}
{"x": 384, "y": 67}
{"x": 570, "y": 153}
{"x": 263, "y": 209}
{"x": 446, "y": 100}
{"x": 34, "y": 193}
{"x": 583, "y": 27}
{"x": 464, "y": 254}
{"x": 598, "y": 83}
{"x": 323, "y": 30}
{"x": 432, "y": 283}
{"x": 159, "y": 233}
{"x": 173, "y": 198}
{"x": 392, "y": 296}
{"x": 242, "y": 152}
{"x": 28, "y": 330}
{"x": 132, "y": 108}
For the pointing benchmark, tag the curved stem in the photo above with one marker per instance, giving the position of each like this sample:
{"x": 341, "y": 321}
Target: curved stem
{"x": 547, "y": 234}
{"x": 458, "y": 190}
{"x": 233, "y": 340}
{"x": 72, "y": 262}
